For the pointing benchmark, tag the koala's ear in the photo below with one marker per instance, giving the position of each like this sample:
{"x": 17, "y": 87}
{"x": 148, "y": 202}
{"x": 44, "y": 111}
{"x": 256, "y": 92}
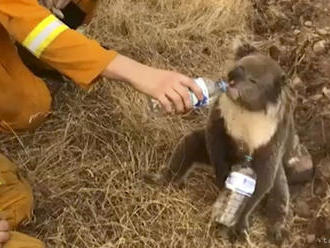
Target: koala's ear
{"x": 243, "y": 49}
{"x": 274, "y": 53}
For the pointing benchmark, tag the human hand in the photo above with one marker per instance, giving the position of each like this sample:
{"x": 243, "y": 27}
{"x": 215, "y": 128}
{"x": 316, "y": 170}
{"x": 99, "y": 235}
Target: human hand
{"x": 55, "y": 6}
{"x": 168, "y": 87}
{"x": 4, "y": 232}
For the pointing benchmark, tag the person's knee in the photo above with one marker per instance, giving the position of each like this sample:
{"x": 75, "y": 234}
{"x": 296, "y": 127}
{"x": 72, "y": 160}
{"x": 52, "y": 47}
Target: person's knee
{"x": 25, "y": 107}
{"x": 37, "y": 110}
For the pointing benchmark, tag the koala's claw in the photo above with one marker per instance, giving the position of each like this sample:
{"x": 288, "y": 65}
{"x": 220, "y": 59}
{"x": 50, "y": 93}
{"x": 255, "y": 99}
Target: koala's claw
{"x": 278, "y": 234}
{"x": 242, "y": 226}
{"x": 239, "y": 231}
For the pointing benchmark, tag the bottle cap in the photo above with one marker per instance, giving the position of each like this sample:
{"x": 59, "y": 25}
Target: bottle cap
{"x": 223, "y": 85}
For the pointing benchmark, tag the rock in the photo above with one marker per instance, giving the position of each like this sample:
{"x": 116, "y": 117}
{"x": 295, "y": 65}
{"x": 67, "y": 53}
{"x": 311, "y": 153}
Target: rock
{"x": 326, "y": 92}
{"x": 316, "y": 97}
{"x": 319, "y": 47}
{"x": 297, "y": 82}
{"x": 296, "y": 32}
{"x": 322, "y": 31}
{"x": 302, "y": 209}
{"x": 310, "y": 238}
{"x": 324, "y": 167}
{"x": 308, "y": 24}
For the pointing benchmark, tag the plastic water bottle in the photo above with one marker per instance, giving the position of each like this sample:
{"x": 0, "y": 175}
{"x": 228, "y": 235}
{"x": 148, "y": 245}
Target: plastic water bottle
{"x": 210, "y": 89}
{"x": 239, "y": 186}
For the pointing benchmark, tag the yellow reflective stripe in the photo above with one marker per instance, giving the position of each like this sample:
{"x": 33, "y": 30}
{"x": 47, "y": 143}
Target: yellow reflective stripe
{"x": 43, "y": 34}
{"x": 35, "y": 32}
{"x": 50, "y": 39}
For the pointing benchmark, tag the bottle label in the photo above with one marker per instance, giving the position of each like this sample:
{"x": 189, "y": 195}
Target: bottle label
{"x": 241, "y": 183}
{"x": 195, "y": 102}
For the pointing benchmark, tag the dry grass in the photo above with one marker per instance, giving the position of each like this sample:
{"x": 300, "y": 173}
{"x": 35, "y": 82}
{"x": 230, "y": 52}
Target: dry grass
{"x": 182, "y": 35}
{"x": 85, "y": 163}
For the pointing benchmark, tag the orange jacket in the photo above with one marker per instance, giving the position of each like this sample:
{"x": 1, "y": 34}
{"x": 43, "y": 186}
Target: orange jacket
{"x": 66, "y": 50}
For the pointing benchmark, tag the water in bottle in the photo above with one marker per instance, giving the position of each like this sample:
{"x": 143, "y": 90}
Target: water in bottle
{"x": 210, "y": 89}
{"x": 239, "y": 186}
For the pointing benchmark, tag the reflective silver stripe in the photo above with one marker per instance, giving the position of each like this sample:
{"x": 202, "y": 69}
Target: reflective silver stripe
{"x": 43, "y": 34}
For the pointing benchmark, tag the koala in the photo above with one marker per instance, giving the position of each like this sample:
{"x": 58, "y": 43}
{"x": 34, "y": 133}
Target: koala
{"x": 253, "y": 118}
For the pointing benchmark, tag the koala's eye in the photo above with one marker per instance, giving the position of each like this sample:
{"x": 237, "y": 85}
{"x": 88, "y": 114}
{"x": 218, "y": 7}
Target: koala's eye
{"x": 252, "y": 81}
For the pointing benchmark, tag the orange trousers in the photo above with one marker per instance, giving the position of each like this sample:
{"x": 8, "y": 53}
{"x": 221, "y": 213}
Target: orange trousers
{"x": 24, "y": 98}
{"x": 24, "y": 102}
{"x": 15, "y": 204}
{"x": 21, "y": 107}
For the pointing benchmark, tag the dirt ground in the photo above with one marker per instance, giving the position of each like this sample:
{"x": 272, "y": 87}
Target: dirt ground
{"x": 87, "y": 160}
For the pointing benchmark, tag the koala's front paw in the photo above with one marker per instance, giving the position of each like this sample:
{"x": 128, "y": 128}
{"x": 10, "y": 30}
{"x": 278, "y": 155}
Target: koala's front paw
{"x": 278, "y": 233}
{"x": 242, "y": 226}
{"x": 240, "y": 230}
{"x": 220, "y": 184}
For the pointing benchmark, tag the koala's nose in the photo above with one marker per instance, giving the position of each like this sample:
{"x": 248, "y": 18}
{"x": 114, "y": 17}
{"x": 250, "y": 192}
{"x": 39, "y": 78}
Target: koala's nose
{"x": 231, "y": 83}
{"x": 237, "y": 74}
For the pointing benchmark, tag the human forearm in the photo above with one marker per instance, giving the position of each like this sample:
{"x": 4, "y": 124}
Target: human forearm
{"x": 168, "y": 87}
{"x": 124, "y": 69}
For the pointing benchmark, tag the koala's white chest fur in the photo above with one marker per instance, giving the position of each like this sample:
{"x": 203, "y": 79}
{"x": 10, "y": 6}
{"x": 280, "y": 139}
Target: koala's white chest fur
{"x": 253, "y": 128}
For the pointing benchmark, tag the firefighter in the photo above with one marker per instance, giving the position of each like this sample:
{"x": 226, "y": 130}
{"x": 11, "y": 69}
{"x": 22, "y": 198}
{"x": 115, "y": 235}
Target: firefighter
{"x": 25, "y": 99}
